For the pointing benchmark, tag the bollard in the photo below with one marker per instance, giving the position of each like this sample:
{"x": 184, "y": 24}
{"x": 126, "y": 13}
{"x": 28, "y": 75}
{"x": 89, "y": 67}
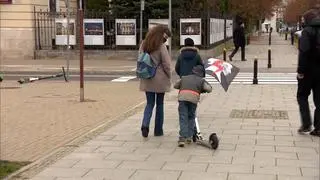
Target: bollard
{"x": 248, "y": 39}
{"x": 269, "y": 38}
{"x": 243, "y": 53}
{"x": 269, "y": 58}
{"x": 292, "y": 38}
{"x": 255, "y": 71}
{"x": 224, "y": 54}
{"x": 286, "y": 37}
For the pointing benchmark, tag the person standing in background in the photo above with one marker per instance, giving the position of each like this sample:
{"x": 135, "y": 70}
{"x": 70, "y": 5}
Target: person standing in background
{"x": 239, "y": 41}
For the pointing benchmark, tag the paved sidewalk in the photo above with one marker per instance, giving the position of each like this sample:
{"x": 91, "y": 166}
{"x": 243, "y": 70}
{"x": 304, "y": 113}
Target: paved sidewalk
{"x": 283, "y": 55}
{"x": 250, "y": 148}
{"x": 256, "y": 125}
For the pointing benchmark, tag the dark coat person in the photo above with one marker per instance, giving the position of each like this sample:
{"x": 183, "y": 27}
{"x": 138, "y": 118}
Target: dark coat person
{"x": 239, "y": 41}
{"x": 189, "y": 58}
{"x": 309, "y": 71}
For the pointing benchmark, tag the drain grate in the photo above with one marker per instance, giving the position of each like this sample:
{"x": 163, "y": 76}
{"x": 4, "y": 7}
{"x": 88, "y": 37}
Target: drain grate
{"x": 259, "y": 114}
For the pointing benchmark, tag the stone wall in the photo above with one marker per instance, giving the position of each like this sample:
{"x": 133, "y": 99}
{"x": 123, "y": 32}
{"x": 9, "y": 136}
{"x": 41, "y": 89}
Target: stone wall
{"x": 17, "y": 26}
{"x": 17, "y": 43}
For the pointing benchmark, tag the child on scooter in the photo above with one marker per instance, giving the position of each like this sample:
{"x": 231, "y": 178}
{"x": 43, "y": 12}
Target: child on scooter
{"x": 190, "y": 87}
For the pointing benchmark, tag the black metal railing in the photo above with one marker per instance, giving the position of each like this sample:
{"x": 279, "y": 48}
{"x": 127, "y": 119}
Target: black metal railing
{"x": 46, "y": 28}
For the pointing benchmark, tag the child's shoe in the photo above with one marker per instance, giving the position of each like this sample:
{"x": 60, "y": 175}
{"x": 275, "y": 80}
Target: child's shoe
{"x": 189, "y": 140}
{"x": 181, "y": 142}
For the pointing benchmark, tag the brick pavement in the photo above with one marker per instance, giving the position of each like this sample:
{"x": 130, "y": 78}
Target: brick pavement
{"x": 42, "y": 116}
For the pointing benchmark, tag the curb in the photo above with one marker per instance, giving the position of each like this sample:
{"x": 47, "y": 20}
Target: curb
{"x": 39, "y": 165}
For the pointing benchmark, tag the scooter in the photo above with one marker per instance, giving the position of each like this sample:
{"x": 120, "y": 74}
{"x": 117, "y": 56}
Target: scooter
{"x": 212, "y": 143}
{"x": 32, "y": 79}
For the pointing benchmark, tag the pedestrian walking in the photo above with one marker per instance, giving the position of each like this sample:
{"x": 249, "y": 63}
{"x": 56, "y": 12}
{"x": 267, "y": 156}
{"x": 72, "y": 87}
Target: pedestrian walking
{"x": 309, "y": 71}
{"x": 190, "y": 87}
{"x": 189, "y": 57}
{"x": 239, "y": 41}
{"x": 156, "y": 87}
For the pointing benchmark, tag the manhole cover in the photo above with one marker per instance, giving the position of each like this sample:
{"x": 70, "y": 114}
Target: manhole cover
{"x": 259, "y": 114}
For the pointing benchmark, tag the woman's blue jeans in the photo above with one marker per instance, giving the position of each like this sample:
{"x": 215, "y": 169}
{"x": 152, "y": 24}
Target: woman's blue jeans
{"x": 153, "y": 98}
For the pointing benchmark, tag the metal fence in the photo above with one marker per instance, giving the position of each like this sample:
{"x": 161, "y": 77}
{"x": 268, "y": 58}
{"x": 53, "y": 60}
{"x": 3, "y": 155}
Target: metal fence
{"x": 47, "y": 26}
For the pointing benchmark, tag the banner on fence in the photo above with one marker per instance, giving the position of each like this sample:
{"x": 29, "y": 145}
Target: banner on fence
{"x": 229, "y": 28}
{"x": 93, "y": 31}
{"x": 155, "y": 22}
{"x": 61, "y": 31}
{"x": 217, "y": 29}
{"x": 190, "y": 28}
{"x": 126, "y": 32}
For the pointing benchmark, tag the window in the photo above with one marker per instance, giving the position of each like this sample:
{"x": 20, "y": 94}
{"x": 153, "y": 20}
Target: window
{"x": 54, "y": 5}
{"x": 5, "y": 1}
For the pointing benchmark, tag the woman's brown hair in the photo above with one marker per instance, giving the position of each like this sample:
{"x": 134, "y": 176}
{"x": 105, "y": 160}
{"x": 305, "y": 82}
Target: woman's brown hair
{"x": 155, "y": 38}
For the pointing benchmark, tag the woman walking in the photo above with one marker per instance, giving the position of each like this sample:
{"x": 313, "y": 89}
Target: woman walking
{"x": 156, "y": 87}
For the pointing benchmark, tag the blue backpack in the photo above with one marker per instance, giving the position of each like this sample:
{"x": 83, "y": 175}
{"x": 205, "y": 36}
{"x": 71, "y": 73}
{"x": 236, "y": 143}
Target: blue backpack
{"x": 146, "y": 68}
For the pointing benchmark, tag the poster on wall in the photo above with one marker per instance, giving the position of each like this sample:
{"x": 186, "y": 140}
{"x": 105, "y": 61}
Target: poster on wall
{"x": 93, "y": 31}
{"x": 62, "y": 33}
{"x": 190, "y": 28}
{"x": 155, "y": 22}
{"x": 126, "y": 32}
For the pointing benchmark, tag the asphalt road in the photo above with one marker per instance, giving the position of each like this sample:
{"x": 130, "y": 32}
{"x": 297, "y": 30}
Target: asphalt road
{"x": 71, "y": 77}
{"x": 76, "y": 77}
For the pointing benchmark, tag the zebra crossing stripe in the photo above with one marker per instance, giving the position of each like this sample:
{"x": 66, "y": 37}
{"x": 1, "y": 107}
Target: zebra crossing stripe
{"x": 263, "y": 78}
{"x": 261, "y": 83}
{"x": 123, "y": 79}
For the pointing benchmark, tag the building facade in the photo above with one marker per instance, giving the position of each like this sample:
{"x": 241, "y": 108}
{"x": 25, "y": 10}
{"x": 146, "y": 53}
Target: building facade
{"x": 17, "y": 25}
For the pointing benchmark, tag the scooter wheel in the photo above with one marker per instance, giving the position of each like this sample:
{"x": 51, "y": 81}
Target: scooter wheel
{"x": 213, "y": 138}
{"x": 194, "y": 138}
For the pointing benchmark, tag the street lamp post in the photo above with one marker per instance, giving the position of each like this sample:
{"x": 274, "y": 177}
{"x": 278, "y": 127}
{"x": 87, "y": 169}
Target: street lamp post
{"x": 141, "y": 18}
{"x": 225, "y": 9}
{"x": 81, "y": 51}
{"x": 68, "y": 37}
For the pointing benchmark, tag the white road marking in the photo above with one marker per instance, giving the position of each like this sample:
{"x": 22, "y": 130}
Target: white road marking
{"x": 123, "y": 79}
{"x": 263, "y": 78}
